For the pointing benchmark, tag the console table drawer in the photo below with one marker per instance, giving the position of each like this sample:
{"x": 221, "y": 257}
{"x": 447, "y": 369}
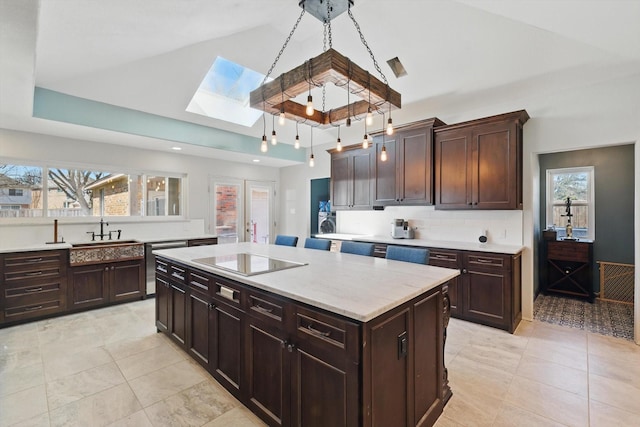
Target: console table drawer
{"x": 569, "y": 251}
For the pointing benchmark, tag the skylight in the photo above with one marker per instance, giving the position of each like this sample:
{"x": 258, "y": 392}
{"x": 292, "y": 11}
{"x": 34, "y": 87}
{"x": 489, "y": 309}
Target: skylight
{"x": 224, "y": 93}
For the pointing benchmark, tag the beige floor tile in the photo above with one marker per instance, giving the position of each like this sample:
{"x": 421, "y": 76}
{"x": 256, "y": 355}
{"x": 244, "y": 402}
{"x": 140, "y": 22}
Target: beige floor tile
{"x": 575, "y": 339}
{"x": 616, "y": 393}
{"x": 444, "y": 421}
{"x": 77, "y": 321}
{"x": 20, "y": 358}
{"x": 554, "y": 374}
{"x": 512, "y": 416}
{"x": 157, "y": 385}
{"x": 548, "y": 350}
{"x": 70, "y": 345}
{"x": 192, "y": 407}
{"x": 20, "y": 379}
{"x": 525, "y": 328}
{"x": 236, "y": 417}
{"x": 603, "y": 415}
{"x": 62, "y": 365}
{"x": 549, "y": 402}
{"x": 619, "y": 348}
{"x": 137, "y": 419}
{"x": 23, "y": 405}
{"x": 615, "y": 368}
{"x": 130, "y": 346}
{"x": 472, "y": 409}
{"x": 41, "y": 420}
{"x": 77, "y": 386}
{"x": 14, "y": 339}
{"x": 477, "y": 378}
{"x": 490, "y": 355}
{"x": 99, "y": 409}
{"x": 149, "y": 360}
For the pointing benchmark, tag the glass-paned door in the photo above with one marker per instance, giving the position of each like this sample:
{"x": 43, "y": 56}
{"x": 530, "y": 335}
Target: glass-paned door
{"x": 241, "y": 210}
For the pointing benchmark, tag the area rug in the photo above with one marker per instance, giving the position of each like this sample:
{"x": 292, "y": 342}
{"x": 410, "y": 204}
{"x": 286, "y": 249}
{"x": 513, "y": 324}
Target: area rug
{"x": 602, "y": 317}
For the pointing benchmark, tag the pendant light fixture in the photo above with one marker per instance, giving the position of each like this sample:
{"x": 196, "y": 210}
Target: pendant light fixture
{"x": 338, "y": 142}
{"x": 263, "y": 146}
{"x": 365, "y": 140}
{"x": 383, "y": 151}
{"x": 281, "y": 119}
{"x": 296, "y": 145}
{"x": 274, "y": 140}
{"x": 390, "y": 123}
{"x": 309, "y": 110}
{"x": 369, "y": 119}
{"x": 312, "y": 161}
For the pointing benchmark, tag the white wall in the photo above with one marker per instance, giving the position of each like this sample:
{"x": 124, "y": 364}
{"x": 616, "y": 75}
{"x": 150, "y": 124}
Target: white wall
{"x": 46, "y": 149}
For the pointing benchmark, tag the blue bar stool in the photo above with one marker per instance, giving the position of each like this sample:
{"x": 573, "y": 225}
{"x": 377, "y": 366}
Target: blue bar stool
{"x": 402, "y": 253}
{"x": 357, "y": 248}
{"x": 283, "y": 240}
{"x": 322, "y": 244}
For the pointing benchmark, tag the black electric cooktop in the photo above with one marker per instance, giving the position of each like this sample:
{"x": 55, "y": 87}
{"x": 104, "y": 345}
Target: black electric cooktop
{"x": 247, "y": 264}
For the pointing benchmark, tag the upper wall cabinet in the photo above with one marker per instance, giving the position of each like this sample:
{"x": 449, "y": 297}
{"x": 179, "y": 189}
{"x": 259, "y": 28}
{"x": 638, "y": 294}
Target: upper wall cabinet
{"x": 478, "y": 164}
{"x": 406, "y": 177}
{"x": 351, "y": 174}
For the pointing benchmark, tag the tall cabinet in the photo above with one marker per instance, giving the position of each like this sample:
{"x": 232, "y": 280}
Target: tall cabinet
{"x": 351, "y": 173}
{"x": 406, "y": 177}
{"x": 478, "y": 164}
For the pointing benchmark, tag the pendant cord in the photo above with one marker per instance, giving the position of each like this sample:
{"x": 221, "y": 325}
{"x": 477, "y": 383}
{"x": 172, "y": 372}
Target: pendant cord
{"x": 284, "y": 46}
{"x": 366, "y": 45}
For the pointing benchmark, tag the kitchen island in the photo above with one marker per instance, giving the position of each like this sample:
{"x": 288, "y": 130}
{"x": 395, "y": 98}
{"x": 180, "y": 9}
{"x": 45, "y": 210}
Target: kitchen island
{"x": 331, "y": 339}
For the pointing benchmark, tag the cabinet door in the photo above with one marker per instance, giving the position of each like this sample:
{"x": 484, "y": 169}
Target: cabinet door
{"x": 449, "y": 259}
{"x": 226, "y": 346}
{"x": 385, "y": 185}
{"x": 267, "y": 364}
{"x": 486, "y": 282}
{"x": 127, "y": 281}
{"x": 494, "y": 166}
{"x": 361, "y": 178}
{"x": 198, "y": 306}
{"x": 452, "y": 161}
{"x": 88, "y": 286}
{"x": 177, "y": 322}
{"x": 415, "y": 180}
{"x": 340, "y": 179}
{"x": 163, "y": 304}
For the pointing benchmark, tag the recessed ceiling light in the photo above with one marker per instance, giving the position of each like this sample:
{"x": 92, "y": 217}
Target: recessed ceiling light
{"x": 176, "y": 148}
{"x": 256, "y": 160}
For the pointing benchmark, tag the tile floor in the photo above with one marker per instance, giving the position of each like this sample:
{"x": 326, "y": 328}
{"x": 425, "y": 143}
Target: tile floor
{"x": 109, "y": 367}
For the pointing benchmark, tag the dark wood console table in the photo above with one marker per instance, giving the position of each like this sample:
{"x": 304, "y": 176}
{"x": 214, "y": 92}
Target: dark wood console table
{"x": 569, "y": 268}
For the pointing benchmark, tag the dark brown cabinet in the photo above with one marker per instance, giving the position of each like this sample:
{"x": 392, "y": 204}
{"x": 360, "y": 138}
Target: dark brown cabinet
{"x": 569, "y": 268}
{"x": 406, "y": 177}
{"x": 351, "y": 174}
{"x": 478, "y": 164}
{"x": 33, "y": 284}
{"x": 100, "y": 284}
{"x": 292, "y": 364}
{"x": 449, "y": 259}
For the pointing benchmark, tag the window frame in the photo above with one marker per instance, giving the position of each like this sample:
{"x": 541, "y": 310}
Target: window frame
{"x": 590, "y": 202}
{"x": 45, "y": 218}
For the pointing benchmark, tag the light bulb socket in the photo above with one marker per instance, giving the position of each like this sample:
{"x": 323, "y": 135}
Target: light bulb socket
{"x": 348, "y": 121}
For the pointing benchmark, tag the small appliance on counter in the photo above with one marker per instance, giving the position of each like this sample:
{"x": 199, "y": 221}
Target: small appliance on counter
{"x": 400, "y": 229}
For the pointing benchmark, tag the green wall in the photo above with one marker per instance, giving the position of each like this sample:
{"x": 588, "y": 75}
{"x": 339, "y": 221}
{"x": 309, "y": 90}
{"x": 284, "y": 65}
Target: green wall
{"x": 614, "y": 200}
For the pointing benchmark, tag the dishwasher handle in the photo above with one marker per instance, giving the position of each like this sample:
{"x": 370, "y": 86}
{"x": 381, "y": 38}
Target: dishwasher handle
{"x": 168, "y": 245}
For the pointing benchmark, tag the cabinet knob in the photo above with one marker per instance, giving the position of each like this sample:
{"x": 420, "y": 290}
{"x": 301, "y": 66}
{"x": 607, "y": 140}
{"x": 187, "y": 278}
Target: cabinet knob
{"x": 464, "y": 271}
{"x": 470, "y": 204}
{"x": 290, "y": 348}
{"x": 211, "y": 306}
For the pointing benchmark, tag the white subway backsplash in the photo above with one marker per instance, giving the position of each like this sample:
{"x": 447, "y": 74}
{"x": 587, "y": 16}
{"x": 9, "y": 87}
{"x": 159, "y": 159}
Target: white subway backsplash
{"x": 502, "y": 227}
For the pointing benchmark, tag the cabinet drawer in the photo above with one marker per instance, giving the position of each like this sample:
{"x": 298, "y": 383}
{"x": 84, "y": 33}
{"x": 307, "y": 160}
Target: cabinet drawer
{"x": 445, "y": 259}
{"x": 569, "y": 251}
{"x": 488, "y": 261}
{"x": 203, "y": 242}
{"x": 162, "y": 267}
{"x": 227, "y": 291}
{"x": 45, "y": 272}
{"x": 178, "y": 274}
{"x": 30, "y": 261}
{"x": 200, "y": 281}
{"x": 34, "y": 310}
{"x": 265, "y": 307}
{"x": 322, "y": 330}
{"x": 27, "y": 295}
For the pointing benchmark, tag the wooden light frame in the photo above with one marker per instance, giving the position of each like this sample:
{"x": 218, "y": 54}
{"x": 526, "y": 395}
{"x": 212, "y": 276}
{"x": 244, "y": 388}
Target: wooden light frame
{"x": 328, "y": 67}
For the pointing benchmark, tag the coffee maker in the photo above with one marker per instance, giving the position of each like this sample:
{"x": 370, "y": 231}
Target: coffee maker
{"x": 400, "y": 229}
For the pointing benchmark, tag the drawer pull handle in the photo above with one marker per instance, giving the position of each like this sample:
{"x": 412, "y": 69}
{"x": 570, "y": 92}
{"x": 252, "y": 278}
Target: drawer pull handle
{"x": 34, "y": 289}
{"x": 38, "y": 307}
{"x": 263, "y": 309}
{"x": 162, "y": 269}
{"x": 484, "y": 261}
{"x": 317, "y": 332}
{"x": 177, "y": 276}
{"x": 227, "y": 293}
{"x": 34, "y": 260}
{"x": 34, "y": 273}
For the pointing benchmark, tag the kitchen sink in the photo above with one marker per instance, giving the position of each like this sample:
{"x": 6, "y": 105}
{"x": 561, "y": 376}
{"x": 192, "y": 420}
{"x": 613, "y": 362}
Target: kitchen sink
{"x": 105, "y": 251}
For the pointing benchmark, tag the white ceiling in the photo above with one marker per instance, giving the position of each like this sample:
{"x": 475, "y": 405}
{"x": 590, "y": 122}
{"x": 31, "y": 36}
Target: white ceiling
{"x": 150, "y": 55}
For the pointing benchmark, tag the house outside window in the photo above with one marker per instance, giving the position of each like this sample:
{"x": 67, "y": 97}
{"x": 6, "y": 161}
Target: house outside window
{"x": 578, "y": 185}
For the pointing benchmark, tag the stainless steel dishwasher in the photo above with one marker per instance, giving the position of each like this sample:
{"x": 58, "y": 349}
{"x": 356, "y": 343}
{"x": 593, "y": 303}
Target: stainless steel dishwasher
{"x": 149, "y": 248}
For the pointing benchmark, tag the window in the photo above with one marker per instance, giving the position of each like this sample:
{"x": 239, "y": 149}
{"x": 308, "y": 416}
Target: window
{"x": 578, "y": 185}
{"x": 31, "y": 191}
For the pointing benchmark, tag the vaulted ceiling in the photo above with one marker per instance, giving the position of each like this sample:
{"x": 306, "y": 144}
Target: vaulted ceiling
{"x": 149, "y": 56}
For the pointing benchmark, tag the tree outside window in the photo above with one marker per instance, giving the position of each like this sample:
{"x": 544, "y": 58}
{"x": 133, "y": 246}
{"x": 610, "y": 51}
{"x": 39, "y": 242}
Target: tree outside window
{"x": 578, "y": 185}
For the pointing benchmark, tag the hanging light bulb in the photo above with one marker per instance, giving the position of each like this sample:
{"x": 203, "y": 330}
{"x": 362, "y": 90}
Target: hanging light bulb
{"x": 309, "y": 110}
{"x": 365, "y": 141}
{"x": 369, "y": 117}
{"x": 296, "y": 145}
{"x": 281, "y": 119}
{"x": 274, "y": 140}
{"x": 282, "y": 116}
{"x": 312, "y": 162}
{"x": 263, "y": 146}
{"x": 338, "y": 142}
{"x": 389, "y": 126}
{"x": 383, "y": 153}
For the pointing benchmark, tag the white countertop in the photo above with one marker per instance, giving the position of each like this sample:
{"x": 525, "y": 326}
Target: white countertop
{"x": 355, "y": 286}
{"x": 6, "y": 247}
{"x": 443, "y": 244}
